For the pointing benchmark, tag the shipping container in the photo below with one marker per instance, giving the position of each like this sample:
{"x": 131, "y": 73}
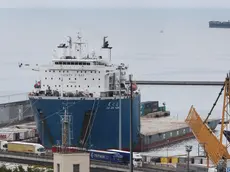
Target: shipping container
{"x": 174, "y": 160}
{"x": 17, "y": 147}
{"x": 9, "y": 136}
{"x": 165, "y": 160}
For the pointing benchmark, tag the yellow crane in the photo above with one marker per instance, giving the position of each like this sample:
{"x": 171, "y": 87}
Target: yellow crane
{"x": 214, "y": 147}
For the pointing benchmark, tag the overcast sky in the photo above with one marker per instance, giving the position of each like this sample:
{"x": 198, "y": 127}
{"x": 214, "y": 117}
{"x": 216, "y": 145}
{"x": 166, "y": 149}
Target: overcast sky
{"x": 115, "y": 3}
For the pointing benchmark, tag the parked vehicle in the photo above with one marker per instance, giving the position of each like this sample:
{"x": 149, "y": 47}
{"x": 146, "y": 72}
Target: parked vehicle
{"x": 111, "y": 157}
{"x": 3, "y": 145}
{"x": 24, "y": 147}
{"x": 137, "y": 158}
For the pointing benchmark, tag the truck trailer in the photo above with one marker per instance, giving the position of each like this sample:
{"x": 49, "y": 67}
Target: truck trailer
{"x": 24, "y": 147}
{"x": 137, "y": 158}
{"x": 106, "y": 156}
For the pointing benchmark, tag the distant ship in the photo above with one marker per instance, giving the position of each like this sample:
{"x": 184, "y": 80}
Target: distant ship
{"x": 219, "y": 24}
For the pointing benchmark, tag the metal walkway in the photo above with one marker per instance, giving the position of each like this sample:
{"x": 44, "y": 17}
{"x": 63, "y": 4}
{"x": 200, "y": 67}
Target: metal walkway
{"x": 191, "y": 83}
{"x": 47, "y": 161}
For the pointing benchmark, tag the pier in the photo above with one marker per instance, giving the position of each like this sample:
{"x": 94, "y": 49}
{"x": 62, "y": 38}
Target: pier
{"x": 184, "y": 83}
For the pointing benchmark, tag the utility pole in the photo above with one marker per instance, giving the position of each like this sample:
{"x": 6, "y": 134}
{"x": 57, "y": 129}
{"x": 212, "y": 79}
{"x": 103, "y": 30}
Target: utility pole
{"x": 188, "y": 150}
{"x": 120, "y": 121}
{"x": 131, "y": 124}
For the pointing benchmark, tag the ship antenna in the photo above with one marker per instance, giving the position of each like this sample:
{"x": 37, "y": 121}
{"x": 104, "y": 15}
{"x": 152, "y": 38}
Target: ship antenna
{"x": 70, "y": 45}
{"x": 106, "y": 46}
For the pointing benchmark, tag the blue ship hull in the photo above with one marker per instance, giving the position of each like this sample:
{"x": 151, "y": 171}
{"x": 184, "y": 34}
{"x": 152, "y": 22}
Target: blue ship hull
{"x": 101, "y": 131}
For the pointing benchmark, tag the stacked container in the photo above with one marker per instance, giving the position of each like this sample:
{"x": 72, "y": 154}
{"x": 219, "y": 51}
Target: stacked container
{"x": 149, "y": 107}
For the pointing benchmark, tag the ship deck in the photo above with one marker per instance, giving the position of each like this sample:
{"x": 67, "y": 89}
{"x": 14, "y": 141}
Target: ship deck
{"x": 151, "y": 126}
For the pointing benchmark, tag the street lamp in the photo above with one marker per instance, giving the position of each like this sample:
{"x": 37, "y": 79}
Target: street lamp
{"x": 188, "y": 150}
{"x": 120, "y": 137}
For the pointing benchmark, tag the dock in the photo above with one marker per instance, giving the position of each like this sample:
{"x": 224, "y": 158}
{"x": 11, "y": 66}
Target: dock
{"x": 184, "y": 83}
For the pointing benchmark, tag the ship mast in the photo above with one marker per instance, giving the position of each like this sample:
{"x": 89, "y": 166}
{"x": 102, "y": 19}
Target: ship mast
{"x": 78, "y": 45}
{"x": 66, "y": 121}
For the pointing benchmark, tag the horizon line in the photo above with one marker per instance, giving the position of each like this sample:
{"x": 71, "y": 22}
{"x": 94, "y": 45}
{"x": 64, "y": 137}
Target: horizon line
{"x": 118, "y": 8}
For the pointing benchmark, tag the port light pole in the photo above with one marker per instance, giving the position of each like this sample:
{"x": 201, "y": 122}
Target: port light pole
{"x": 188, "y": 149}
{"x": 131, "y": 123}
{"x": 120, "y": 121}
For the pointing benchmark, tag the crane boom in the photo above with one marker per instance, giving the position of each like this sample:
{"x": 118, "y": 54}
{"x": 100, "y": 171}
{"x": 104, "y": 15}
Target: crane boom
{"x": 204, "y": 135}
{"x": 214, "y": 147}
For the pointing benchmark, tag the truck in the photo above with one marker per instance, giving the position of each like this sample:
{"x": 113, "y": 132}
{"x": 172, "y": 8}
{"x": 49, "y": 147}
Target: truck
{"x": 3, "y": 145}
{"x": 24, "y": 147}
{"x": 111, "y": 157}
{"x": 137, "y": 158}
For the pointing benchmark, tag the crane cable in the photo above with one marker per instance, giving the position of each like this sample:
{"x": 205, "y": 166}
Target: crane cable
{"x": 214, "y": 104}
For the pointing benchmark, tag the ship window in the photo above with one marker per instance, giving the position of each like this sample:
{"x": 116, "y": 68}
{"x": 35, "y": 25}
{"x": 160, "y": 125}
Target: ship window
{"x": 45, "y": 78}
{"x": 59, "y": 85}
{"x": 51, "y": 78}
{"x": 45, "y": 70}
{"x": 98, "y": 71}
{"x": 80, "y": 63}
{"x": 56, "y": 63}
{"x": 88, "y": 63}
{"x": 85, "y": 78}
{"x": 163, "y": 136}
{"x": 170, "y": 134}
{"x": 49, "y": 71}
{"x": 55, "y": 85}
{"x": 67, "y": 71}
{"x": 68, "y": 63}
{"x": 91, "y": 71}
{"x": 63, "y": 71}
{"x": 75, "y": 78}
{"x": 81, "y": 71}
{"x": 99, "y": 79}
{"x": 79, "y": 86}
{"x": 85, "y": 71}
{"x": 67, "y": 85}
{"x": 53, "y": 70}
{"x": 95, "y": 71}
{"x": 69, "y": 78}
{"x": 93, "y": 78}
{"x": 59, "y": 78}
{"x": 88, "y": 86}
{"x": 184, "y": 131}
{"x": 71, "y": 86}
{"x": 99, "y": 86}
{"x": 84, "y": 63}
{"x": 177, "y": 132}
{"x": 72, "y": 63}
{"x": 75, "y": 86}
{"x": 43, "y": 85}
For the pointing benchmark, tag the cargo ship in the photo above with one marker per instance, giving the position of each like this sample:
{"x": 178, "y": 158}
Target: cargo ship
{"x": 84, "y": 90}
{"x": 219, "y": 24}
{"x": 80, "y": 93}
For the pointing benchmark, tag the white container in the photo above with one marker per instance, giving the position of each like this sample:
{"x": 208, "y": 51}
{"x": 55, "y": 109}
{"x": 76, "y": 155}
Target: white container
{"x": 23, "y": 135}
{"x": 9, "y": 136}
{"x": 197, "y": 160}
{"x": 205, "y": 161}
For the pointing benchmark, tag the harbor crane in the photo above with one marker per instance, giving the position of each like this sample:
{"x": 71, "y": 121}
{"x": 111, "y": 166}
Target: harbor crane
{"x": 214, "y": 147}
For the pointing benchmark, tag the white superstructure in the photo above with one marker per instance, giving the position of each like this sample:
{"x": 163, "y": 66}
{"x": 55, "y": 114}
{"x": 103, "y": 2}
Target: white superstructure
{"x": 75, "y": 73}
